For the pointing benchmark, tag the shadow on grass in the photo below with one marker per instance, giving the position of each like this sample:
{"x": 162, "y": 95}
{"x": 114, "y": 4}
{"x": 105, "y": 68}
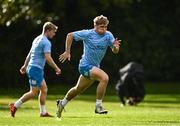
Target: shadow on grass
{"x": 162, "y": 102}
{"x": 158, "y": 95}
{"x": 5, "y": 107}
{"x": 158, "y": 106}
{"x": 62, "y": 89}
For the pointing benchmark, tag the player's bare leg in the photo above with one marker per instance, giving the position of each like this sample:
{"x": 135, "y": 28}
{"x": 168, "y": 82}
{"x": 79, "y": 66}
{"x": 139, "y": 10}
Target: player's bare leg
{"x": 102, "y": 77}
{"x": 82, "y": 84}
{"x": 42, "y": 100}
{"x": 27, "y": 96}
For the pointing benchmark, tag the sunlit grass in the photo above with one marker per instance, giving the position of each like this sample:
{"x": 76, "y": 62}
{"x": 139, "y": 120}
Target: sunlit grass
{"x": 155, "y": 110}
{"x": 161, "y": 107}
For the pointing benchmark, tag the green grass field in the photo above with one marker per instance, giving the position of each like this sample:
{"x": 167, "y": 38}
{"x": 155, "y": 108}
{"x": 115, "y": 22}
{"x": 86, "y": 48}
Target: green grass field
{"x": 161, "y": 107}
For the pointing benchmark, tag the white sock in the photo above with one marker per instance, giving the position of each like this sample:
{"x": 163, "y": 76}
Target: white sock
{"x": 42, "y": 109}
{"x": 64, "y": 102}
{"x": 98, "y": 102}
{"x": 18, "y": 103}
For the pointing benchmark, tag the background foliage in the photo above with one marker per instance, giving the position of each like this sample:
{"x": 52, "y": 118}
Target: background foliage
{"x": 149, "y": 30}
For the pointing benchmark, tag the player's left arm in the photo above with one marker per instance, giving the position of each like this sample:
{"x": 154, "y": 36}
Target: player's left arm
{"x": 51, "y": 63}
{"x": 115, "y": 48}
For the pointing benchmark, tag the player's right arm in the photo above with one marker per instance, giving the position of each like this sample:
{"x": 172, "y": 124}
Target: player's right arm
{"x": 77, "y": 36}
{"x": 23, "y": 68}
{"x": 67, "y": 52}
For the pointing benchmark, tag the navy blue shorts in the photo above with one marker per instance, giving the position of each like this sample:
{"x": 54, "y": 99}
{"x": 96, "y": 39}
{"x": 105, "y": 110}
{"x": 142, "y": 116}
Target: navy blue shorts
{"x": 85, "y": 70}
{"x": 36, "y": 76}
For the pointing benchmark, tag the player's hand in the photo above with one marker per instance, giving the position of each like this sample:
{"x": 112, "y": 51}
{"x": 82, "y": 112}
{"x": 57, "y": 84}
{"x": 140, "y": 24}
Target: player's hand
{"x": 23, "y": 70}
{"x": 58, "y": 71}
{"x": 116, "y": 43}
{"x": 64, "y": 56}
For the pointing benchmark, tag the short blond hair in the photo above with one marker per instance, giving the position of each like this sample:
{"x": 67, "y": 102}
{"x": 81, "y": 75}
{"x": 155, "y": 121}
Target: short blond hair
{"x": 101, "y": 20}
{"x": 49, "y": 26}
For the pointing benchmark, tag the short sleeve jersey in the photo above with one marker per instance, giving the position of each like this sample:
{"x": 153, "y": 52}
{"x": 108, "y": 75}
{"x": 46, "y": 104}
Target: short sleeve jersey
{"x": 94, "y": 46}
{"x": 40, "y": 46}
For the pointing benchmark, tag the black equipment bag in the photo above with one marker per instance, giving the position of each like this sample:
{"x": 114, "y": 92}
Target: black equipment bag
{"x": 130, "y": 86}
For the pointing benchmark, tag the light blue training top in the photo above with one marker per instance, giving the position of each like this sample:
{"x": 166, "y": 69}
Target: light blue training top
{"x": 40, "y": 46}
{"x": 95, "y": 46}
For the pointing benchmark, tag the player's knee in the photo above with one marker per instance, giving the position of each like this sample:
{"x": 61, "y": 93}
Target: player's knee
{"x": 34, "y": 93}
{"x": 44, "y": 91}
{"x": 105, "y": 79}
